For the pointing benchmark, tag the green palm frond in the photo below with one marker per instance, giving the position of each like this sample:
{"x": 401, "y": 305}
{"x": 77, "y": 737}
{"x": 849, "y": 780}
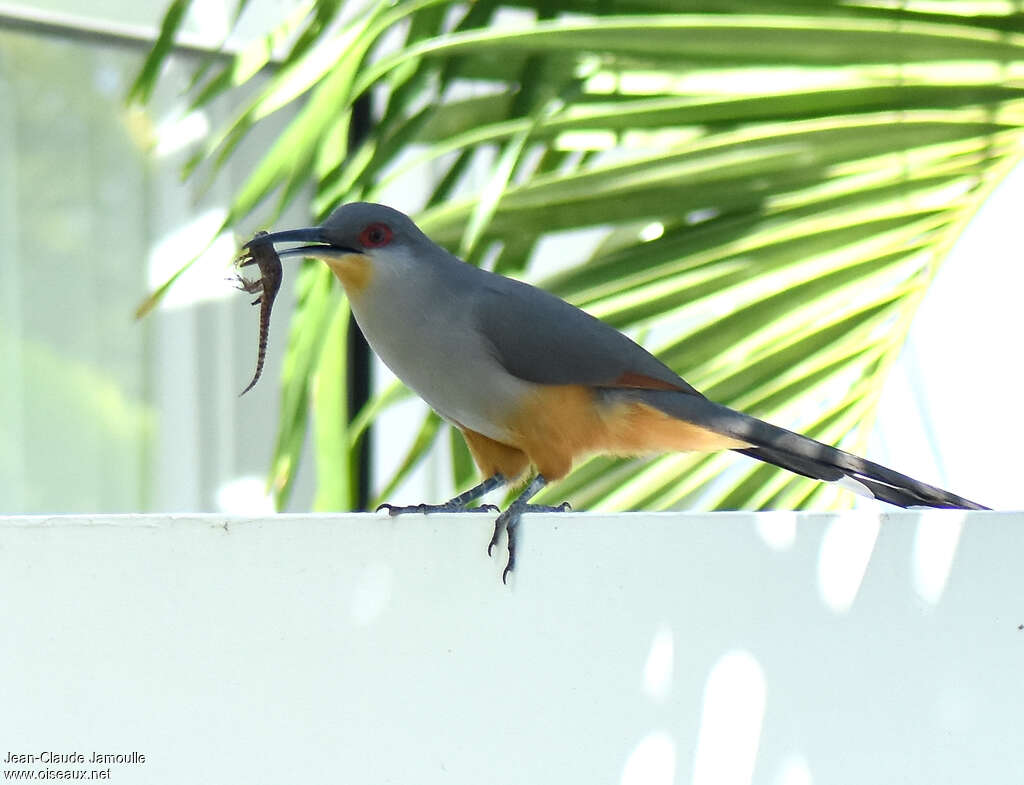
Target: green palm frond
{"x": 774, "y": 191}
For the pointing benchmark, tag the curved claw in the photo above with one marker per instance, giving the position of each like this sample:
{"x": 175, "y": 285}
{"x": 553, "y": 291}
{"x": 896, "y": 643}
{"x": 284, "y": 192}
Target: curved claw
{"x": 504, "y": 574}
{"x": 499, "y": 524}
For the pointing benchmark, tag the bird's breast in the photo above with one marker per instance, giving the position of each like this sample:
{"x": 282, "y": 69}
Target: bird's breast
{"x": 429, "y": 340}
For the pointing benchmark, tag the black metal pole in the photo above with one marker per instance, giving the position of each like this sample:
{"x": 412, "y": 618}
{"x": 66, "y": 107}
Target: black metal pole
{"x": 360, "y": 361}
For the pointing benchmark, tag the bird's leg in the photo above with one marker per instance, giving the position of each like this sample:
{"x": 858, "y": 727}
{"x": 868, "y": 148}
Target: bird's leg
{"x": 459, "y": 504}
{"x": 509, "y": 519}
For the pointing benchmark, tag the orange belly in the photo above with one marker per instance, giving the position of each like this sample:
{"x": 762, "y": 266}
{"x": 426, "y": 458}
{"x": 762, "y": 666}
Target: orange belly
{"x": 560, "y": 424}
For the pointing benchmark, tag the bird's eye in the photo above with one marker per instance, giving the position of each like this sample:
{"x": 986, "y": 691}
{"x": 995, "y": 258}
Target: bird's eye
{"x": 376, "y": 235}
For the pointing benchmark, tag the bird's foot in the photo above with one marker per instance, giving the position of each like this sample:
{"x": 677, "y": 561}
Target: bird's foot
{"x": 508, "y": 521}
{"x": 460, "y": 503}
{"x": 394, "y": 510}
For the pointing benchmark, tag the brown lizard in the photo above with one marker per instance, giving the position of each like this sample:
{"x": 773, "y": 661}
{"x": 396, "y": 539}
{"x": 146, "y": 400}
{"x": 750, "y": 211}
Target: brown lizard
{"x": 266, "y": 258}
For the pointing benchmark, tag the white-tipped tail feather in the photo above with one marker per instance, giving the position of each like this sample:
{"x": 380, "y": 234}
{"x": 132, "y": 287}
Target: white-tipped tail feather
{"x": 799, "y": 454}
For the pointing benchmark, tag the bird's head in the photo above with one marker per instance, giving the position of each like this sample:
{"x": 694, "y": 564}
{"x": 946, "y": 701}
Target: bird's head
{"x": 355, "y": 241}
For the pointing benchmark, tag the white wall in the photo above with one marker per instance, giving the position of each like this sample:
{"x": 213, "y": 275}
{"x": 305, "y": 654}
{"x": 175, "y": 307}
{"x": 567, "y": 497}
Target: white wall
{"x": 777, "y": 648}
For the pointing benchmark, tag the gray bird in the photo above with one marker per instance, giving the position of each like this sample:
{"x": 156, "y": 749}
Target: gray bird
{"x": 534, "y": 383}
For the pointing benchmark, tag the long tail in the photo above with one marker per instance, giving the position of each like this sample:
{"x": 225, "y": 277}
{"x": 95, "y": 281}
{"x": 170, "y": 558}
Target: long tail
{"x": 800, "y": 454}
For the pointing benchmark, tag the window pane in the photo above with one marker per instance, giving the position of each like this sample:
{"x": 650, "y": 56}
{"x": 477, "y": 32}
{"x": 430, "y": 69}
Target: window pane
{"x": 101, "y": 412}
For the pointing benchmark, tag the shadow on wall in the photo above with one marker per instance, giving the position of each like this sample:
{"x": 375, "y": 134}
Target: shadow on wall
{"x": 732, "y": 709}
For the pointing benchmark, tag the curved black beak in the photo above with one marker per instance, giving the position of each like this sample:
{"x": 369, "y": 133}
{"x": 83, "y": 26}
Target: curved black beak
{"x": 312, "y": 234}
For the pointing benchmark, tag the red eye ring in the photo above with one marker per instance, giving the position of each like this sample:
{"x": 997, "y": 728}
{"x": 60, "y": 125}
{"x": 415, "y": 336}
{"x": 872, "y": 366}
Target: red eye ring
{"x": 376, "y": 235}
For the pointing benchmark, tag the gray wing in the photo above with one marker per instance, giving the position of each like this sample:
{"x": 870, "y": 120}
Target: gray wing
{"x": 543, "y": 339}
{"x": 540, "y": 338}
